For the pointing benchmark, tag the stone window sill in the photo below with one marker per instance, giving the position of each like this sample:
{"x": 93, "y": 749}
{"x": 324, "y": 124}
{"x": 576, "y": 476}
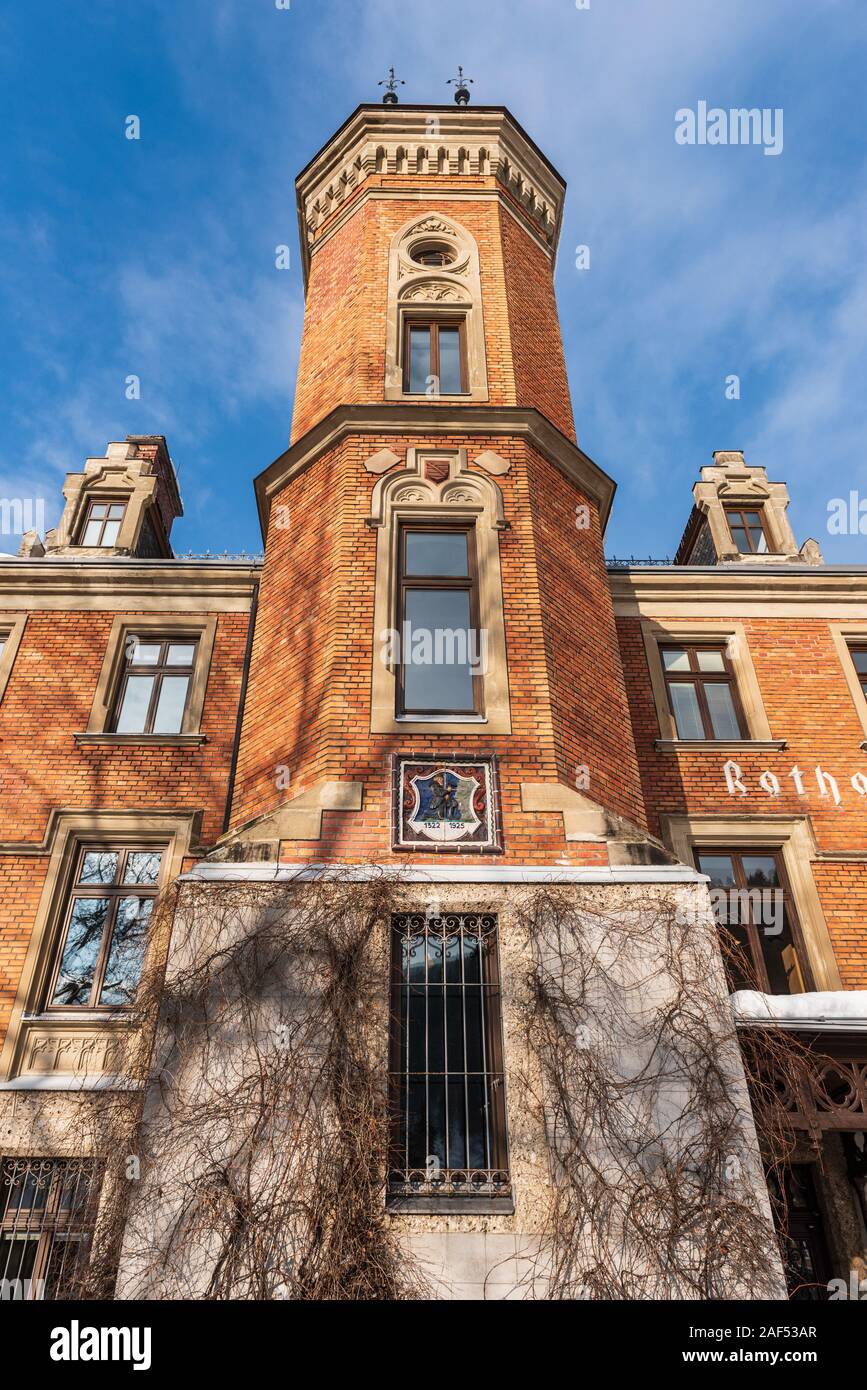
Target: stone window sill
{"x": 743, "y": 745}
{"x": 146, "y": 740}
{"x": 440, "y": 719}
{"x": 450, "y": 1206}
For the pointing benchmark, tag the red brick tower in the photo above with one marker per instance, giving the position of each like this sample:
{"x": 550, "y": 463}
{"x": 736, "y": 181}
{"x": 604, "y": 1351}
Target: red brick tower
{"x": 433, "y": 470}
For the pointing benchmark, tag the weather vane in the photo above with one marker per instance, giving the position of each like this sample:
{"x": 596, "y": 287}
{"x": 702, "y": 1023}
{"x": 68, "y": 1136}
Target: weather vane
{"x": 462, "y": 87}
{"x": 391, "y": 84}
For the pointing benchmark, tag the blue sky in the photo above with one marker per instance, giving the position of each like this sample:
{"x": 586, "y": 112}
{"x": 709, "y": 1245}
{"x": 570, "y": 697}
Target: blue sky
{"x": 156, "y": 257}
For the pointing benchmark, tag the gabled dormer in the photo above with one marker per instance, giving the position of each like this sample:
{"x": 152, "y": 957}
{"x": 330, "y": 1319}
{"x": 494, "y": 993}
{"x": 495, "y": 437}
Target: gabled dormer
{"x": 122, "y": 504}
{"x": 740, "y": 517}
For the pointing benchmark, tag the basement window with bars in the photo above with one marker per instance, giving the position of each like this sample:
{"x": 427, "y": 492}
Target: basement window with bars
{"x": 447, "y": 1083}
{"x": 47, "y": 1217}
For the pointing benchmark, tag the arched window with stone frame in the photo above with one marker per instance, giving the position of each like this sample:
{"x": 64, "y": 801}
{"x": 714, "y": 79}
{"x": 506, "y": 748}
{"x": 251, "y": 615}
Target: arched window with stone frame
{"x": 439, "y": 655}
{"x": 435, "y": 339}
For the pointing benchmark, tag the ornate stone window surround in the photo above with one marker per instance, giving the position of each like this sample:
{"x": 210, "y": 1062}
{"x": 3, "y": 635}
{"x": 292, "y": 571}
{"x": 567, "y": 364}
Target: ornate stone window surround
{"x": 463, "y": 497}
{"x": 843, "y": 635}
{"x": 115, "y": 481}
{"x": 792, "y": 837}
{"x": 175, "y": 625}
{"x": 13, "y": 625}
{"x": 418, "y": 290}
{"x": 85, "y": 1038}
{"x": 731, "y": 483}
{"x": 658, "y": 634}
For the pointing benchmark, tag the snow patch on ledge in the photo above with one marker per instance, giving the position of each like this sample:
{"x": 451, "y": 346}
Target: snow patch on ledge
{"x": 843, "y": 1008}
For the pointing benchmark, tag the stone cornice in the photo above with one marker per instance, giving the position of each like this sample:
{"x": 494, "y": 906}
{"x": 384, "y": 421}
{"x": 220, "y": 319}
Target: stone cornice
{"x": 426, "y": 421}
{"x": 455, "y": 142}
{"x": 727, "y": 588}
{"x": 118, "y": 585}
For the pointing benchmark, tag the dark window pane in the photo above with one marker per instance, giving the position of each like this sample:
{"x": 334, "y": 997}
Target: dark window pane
{"x": 739, "y": 536}
{"x": 181, "y": 654}
{"x": 760, "y": 870}
{"x": 860, "y": 660}
{"x": 440, "y": 553}
{"x": 17, "y": 1259}
{"x": 419, "y": 359}
{"x": 413, "y": 959}
{"x": 475, "y": 1052}
{"x": 436, "y": 650}
{"x": 123, "y": 970}
{"x": 453, "y": 960}
{"x": 779, "y": 957}
{"x": 132, "y": 716}
{"x": 457, "y": 1124}
{"x": 472, "y": 957}
{"x": 723, "y": 718}
{"x": 98, "y": 866}
{"x": 81, "y": 950}
{"x": 455, "y": 1017}
{"x": 675, "y": 659}
{"x": 436, "y": 1024}
{"x": 434, "y": 959}
{"x": 455, "y": 1118}
{"x": 145, "y": 653}
{"x": 171, "y": 701}
{"x": 416, "y": 1028}
{"x": 143, "y": 867}
{"x": 687, "y": 714}
{"x": 738, "y": 958}
{"x": 720, "y": 869}
{"x": 436, "y": 1119}
{"x": 450, "y": 361}
{"x": 477, "y": 1131}
{"x": 416, "y": 1126}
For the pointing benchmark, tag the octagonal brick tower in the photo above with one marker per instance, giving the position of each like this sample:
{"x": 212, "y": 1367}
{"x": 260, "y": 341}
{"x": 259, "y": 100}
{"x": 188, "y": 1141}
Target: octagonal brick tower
{"x": 432, "y": 396}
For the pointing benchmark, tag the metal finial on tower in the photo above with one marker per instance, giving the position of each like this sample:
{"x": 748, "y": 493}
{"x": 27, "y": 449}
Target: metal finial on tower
{"x": 391, "y": 84}
{"x": 462, "y": 87}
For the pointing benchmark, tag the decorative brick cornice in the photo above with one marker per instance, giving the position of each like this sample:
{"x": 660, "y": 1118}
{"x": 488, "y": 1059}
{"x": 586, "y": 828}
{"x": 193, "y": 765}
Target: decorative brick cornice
{"x": 430, "y": 420}
{"x": 439, "y": 144}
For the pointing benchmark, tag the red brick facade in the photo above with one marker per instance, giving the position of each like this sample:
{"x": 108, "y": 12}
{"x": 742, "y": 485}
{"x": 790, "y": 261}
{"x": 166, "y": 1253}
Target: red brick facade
{"x": 581, "y": 703}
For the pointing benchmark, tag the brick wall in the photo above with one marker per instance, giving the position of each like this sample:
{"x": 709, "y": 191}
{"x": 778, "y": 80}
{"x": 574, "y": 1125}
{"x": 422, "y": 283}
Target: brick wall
{"x": 807, "y": 703}
{"x": 47, "y": 700}
{"x": 308, "y": 703}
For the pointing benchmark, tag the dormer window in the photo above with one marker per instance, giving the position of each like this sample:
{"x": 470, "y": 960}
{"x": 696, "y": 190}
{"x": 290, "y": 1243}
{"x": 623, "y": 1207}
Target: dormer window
{"x": 435, "y": 357}
{"x": 748, "y": 531}
{"x": 102, "y": 523}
